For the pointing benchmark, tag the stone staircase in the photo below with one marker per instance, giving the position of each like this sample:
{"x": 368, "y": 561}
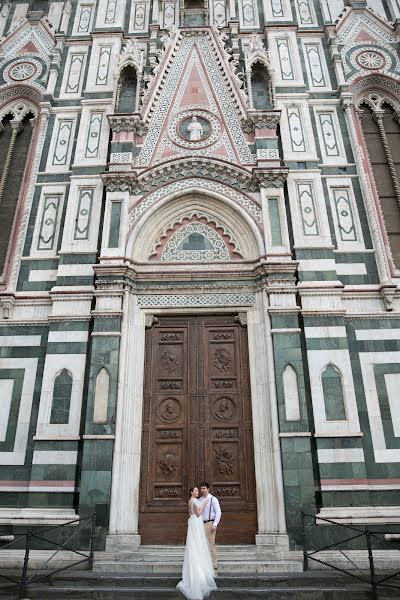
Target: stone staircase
{"x": 83, "y": 585}
{"x": 152, "y": 572}
{"x": 169, "y": 559}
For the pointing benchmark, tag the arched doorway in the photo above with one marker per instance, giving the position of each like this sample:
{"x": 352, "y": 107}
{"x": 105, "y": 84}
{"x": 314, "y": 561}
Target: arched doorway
{"x": 197, "y": 426}
{"x": 197, "y": 421}
{"x": 195, "y": 300}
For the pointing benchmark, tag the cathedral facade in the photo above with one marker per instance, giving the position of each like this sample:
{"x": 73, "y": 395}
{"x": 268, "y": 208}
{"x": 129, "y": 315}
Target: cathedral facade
{"x": 199, "y": 260}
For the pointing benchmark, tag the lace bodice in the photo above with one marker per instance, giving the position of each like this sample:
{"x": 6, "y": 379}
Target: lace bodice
{"x": 192, "y": 504}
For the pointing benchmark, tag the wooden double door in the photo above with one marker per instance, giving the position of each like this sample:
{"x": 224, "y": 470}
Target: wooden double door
{"x": 197, "y": 426}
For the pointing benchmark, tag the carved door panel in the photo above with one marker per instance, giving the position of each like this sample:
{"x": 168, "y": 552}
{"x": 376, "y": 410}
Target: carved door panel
{"x": 196, "y": 426}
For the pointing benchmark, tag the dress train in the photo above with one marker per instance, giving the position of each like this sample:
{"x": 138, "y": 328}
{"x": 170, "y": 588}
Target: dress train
{"x": 197, "y": 573}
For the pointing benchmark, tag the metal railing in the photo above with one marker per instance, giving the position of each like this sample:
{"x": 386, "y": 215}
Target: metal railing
{"x": 26, "y": 540}
{"x": 369, "y": 577}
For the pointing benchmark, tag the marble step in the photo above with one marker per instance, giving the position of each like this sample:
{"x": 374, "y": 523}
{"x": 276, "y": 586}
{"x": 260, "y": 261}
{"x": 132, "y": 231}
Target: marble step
{"x": 41, "y": 593}
{"x": 169, "y": 559}
{"x": 309, "y": 580}
{"x": 84, "y": 585}
{"x": 160, "y": 566}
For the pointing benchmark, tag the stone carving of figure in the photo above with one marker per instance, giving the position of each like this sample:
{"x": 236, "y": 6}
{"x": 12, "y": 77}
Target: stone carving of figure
{"x": 5, "y": 9}
{"x": 195, "y": 130}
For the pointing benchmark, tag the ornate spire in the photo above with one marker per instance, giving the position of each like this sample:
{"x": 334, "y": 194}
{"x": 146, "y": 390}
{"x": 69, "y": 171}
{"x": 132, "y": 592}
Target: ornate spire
{"x": 131, "y": 55}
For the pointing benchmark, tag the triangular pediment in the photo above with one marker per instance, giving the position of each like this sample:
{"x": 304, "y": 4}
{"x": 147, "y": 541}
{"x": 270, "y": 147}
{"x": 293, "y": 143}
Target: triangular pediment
{"x": 194, "y": 90}
{"x": 368, "y": 26}
{"x": 367, "y": 45}
{"x": 29, "y": 38}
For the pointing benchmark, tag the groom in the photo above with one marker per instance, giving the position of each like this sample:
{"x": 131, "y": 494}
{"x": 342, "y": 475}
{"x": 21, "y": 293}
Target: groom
{"x": 211, "y": 517}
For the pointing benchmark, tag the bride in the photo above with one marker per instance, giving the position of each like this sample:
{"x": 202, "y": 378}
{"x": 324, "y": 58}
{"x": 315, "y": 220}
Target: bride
{"x": 197, "y": 573}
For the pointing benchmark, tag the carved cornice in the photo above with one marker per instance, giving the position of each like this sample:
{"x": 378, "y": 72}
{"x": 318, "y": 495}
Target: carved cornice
{"x": 271, "y": 177}
{"x": 131, "y": 122}
{"x": 119, "y": 182}
{"x": 7, "y": 303}
{"x": 240, "y": 179}
{"x": 222, "y": 172}
{"x": 259, "y": 119}
{"x": 388, "y": 293}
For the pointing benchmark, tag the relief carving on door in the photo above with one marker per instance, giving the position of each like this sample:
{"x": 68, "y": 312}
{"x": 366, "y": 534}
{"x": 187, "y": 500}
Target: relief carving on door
{"x": 196, "y": 417}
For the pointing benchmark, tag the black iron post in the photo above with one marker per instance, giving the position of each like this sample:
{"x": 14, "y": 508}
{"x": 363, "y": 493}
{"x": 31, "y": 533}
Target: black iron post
{"x": 92, "y": 538}
{"x": 303, "y": 529}
{"x": 371, "y": 565}
{"x": 24, "y": 578}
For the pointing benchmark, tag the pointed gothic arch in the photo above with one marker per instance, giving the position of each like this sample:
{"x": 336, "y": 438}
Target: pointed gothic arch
{"x": 333, "y": 391}
{"x": 261, "y": 87}
{"x": 195, "y": 237}
{"x": 17, "y": 139}
{"x": 259, "y": 75}
{"x": 128, "y": 78}
{"x": 231, "y": 223}
{"x": 127, "y": 90}
{"x": 378, "y": 110}
{"x": 61, "y": 401}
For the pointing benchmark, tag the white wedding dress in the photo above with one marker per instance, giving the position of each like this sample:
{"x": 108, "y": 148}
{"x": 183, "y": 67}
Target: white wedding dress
{"x": 197, "y": 572}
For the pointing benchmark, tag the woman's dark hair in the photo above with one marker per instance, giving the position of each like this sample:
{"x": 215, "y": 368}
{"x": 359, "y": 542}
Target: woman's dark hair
{"x": 191, "y": 490}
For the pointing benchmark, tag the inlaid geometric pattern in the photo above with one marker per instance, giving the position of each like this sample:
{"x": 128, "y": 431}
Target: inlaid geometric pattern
{"x": 195, "y": 65}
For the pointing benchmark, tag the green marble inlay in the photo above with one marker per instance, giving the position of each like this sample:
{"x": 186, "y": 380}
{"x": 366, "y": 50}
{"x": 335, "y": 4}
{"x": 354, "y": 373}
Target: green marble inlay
{"x": 78, "y": 259}
{"x": 380, "y": 371}
{"x": 17, "y": 375}
{"x": 115, "y": 222}
{"x": 276, "y": 233}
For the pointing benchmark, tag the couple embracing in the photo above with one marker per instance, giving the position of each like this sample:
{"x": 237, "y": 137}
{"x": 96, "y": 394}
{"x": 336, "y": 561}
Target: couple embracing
{"x": 200, "y": 559}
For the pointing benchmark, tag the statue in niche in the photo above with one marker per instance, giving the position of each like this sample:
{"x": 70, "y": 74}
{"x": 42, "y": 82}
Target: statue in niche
{"x": 195, "y": 130}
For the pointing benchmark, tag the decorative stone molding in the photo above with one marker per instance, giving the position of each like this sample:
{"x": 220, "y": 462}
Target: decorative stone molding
{"x": 150, "y": 320}
{"x": 232, "y": 60}
{"x": 388, "y": 293}
{"x": 131, "y": 55}
{"x": 260, "y": 119}
{"x": 225, "y": 246}
{"x": 7, "y": 304}
{"x": 152, "y": 180}
{"x": 256, "y": 52}
{"x": 195, "y": 300}
{"x": 200, "y": 185}
{"x": 321, "y": 301}
{"x": 272, "y": 177}
{"x": 119, "y": 182}
{"x": 241, "y": 318}
{"x": 132, "y": 122}
{"x": 197, "y": 167}
{"x": 156, "y": 59}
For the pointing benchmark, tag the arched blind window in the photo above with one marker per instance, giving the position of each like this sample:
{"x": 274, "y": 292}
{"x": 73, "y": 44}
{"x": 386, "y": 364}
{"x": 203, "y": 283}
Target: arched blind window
{"x": 333, "y": 394}
{"x": 261, "y": 87}
{"x": 61, "y": 398}
{"x": 127, "y": 91}
{"x": 382, "y": 138}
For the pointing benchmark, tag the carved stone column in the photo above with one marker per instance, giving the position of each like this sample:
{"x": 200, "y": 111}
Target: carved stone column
{"x": 16, "y": 127}
{"x": 124, "y": 509}
{"x": 378, "y": 116}
{"x": 267, "y": 457}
